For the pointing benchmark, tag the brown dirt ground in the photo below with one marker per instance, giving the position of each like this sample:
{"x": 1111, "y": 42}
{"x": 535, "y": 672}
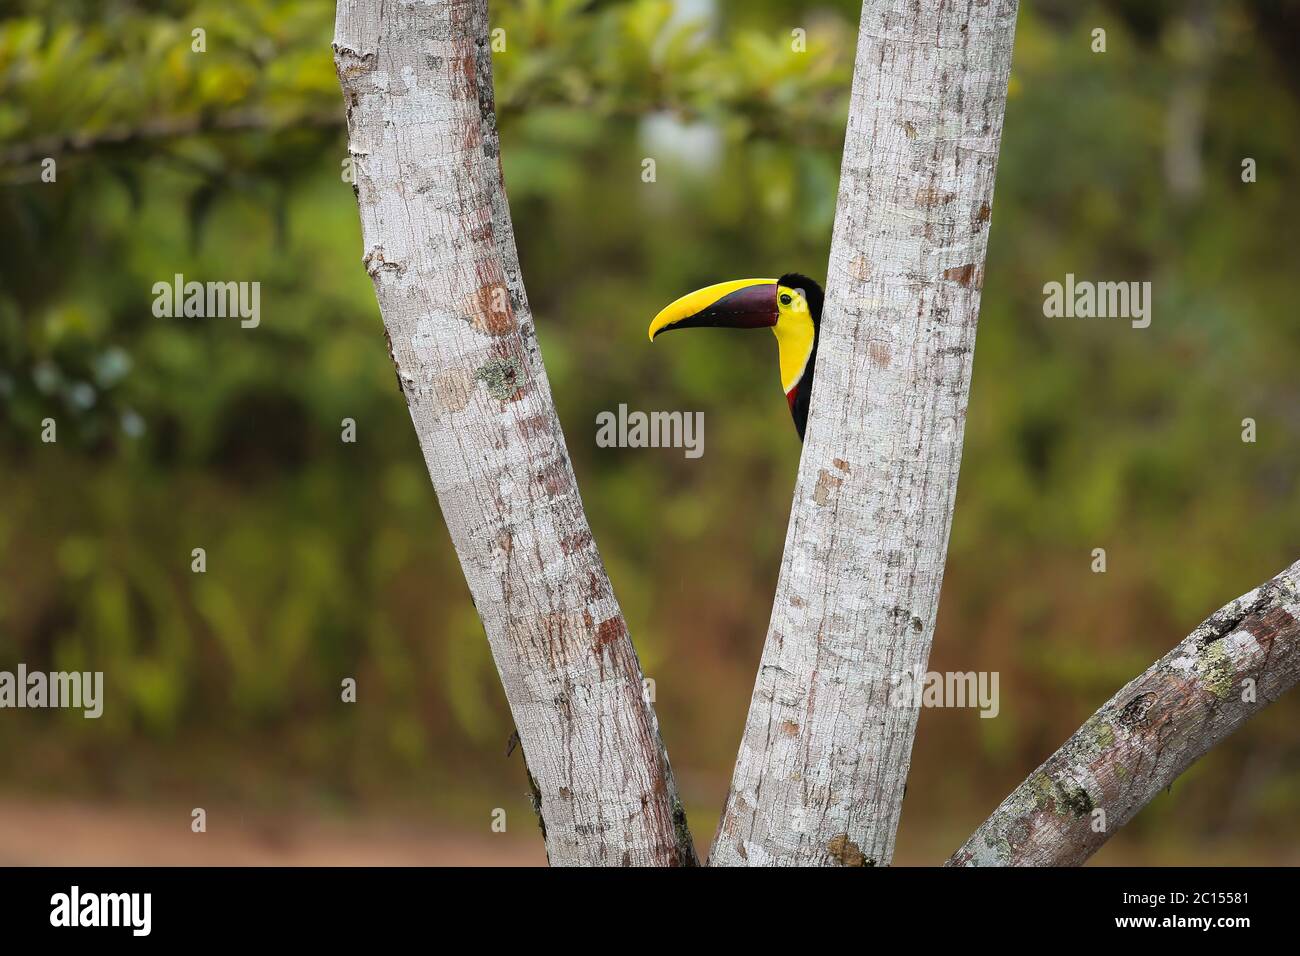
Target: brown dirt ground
{"x": 36, "y": 833}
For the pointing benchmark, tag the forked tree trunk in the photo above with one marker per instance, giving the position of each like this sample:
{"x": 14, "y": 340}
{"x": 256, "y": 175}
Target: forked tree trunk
{"x": 1241, "y": 659}
{"x": 824, "y": 757}
{"x": 825, "y": 753}
{"x": 417, "y": 82}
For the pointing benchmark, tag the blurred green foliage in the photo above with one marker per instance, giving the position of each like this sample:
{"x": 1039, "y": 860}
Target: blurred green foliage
{"x": 328, "y": 560}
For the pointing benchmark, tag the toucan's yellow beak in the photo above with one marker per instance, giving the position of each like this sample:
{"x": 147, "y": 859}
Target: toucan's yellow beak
{"x": 739, "y": 304}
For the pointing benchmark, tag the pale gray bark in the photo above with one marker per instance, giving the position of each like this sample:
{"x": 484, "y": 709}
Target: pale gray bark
{"x": 417, "y": 83}
{"x": 1241, "y": 659}
{"x": 820, "y": 774}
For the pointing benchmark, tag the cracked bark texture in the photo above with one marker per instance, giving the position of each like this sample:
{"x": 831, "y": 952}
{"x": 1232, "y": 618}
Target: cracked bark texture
{"x": 1141, "y": 739}
{"x": 824, "y": 757}
{"x": 439, "y": 246}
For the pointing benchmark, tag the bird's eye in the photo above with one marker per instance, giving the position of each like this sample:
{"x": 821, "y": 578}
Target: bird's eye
{"x": 785, "y": 300}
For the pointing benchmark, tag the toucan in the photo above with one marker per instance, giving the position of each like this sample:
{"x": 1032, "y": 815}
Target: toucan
{"x": 790, "y": 306}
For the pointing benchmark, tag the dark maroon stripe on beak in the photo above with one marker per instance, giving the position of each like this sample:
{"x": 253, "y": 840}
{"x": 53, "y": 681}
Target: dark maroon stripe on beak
{"x": 753, "y": 307}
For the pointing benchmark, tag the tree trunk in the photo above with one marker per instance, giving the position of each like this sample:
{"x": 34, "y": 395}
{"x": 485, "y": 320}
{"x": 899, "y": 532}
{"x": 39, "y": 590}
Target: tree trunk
{"x": 1241, "y": 659}
{"x": 824, "y": 758}
{"x": 417, "y": 82}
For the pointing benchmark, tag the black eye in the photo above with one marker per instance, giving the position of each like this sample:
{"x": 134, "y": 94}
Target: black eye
{"x": 785, "y": 300}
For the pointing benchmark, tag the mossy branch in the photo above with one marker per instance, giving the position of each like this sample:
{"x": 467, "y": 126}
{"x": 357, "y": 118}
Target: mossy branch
{"x": 1241, "y": 659}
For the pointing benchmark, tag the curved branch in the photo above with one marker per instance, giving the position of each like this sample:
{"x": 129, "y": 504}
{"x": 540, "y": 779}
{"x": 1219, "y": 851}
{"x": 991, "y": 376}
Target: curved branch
{"x": 417, "y": 85}
{"x": 1242, "y": 658}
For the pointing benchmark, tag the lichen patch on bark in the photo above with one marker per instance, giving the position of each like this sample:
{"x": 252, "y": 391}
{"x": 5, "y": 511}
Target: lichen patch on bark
{"x": 501, "y": 377}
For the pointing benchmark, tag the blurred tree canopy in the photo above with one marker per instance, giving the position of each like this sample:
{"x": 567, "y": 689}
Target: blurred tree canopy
{"x": 327, "y": 559}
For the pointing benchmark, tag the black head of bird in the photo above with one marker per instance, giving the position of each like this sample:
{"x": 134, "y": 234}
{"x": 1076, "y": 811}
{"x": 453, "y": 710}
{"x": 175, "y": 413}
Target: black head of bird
{"x": 790, "y": 306}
